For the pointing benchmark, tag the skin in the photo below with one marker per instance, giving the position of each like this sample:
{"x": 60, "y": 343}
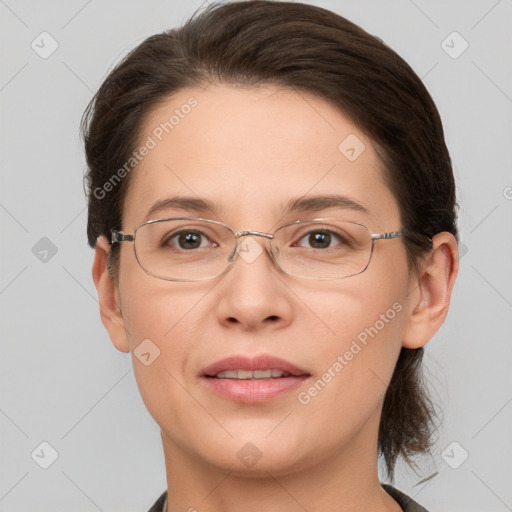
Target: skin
{"x": 251, "y": 150}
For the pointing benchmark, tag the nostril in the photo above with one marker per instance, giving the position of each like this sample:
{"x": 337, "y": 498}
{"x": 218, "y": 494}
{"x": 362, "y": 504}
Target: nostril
{"x": 273, "y": 318}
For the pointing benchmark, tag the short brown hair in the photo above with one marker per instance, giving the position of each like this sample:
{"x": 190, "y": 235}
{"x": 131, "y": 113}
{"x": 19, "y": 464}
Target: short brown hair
{"x": 305, "y": 48}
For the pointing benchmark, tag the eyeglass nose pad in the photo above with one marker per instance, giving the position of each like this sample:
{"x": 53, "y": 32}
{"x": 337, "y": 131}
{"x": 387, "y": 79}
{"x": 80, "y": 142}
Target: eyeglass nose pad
{"x": 231, "y": 257}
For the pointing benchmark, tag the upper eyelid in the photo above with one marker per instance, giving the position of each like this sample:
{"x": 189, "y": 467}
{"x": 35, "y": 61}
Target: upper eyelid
{"x": 185, "y": 228}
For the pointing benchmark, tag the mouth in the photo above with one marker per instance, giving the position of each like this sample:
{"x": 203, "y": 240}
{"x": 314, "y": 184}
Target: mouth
{"x": 253, "y": 380}
{"x": 248, "y": 374}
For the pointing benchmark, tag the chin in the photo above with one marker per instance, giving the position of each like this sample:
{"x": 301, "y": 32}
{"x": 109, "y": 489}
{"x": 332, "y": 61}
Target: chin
{"x": 257, "y": 457}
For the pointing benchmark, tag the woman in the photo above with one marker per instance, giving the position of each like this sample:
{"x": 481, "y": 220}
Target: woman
{"x": 272, "y": 207}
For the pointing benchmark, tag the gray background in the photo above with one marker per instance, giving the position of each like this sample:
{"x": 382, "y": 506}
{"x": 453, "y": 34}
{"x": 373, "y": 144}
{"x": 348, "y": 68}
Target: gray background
{"x": 61, "y": 380}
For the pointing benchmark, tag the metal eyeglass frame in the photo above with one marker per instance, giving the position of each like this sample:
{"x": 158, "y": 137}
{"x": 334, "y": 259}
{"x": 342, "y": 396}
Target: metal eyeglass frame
{"x": 118, "y": 236}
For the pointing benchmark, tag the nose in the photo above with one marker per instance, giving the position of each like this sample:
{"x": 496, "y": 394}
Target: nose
{"x": 252, "y": 294}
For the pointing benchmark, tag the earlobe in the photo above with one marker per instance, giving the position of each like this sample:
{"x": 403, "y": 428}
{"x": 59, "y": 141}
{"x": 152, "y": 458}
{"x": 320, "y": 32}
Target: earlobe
{"x": 108, "y": 295}
{"x": 434, "y": 285}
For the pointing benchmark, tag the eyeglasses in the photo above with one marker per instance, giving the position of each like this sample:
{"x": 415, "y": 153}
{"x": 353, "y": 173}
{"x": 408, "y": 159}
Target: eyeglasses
{"x": 195, "y": 249}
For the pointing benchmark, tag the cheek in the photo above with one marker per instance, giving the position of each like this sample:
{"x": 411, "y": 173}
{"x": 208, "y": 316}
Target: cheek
{"x": 362, "y": 308}
{"x": 154, "y": 308}
{"x": 359, "y": 329}
{"x": 161, "y": 320}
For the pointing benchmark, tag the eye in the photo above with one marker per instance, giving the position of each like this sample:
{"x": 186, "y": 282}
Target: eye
{"x": 187, "y": 239}
{"x": 321, "y": 239}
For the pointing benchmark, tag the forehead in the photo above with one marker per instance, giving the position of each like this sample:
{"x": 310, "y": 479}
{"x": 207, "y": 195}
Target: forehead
{"x": 251, "y": 152}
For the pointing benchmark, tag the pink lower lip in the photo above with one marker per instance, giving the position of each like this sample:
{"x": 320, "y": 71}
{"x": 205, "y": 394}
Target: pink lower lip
{"x": 253, "y": 390}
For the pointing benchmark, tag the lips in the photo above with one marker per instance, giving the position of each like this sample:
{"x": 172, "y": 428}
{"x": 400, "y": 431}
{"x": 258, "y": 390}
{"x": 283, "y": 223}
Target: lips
{"x": 252, "y": 380}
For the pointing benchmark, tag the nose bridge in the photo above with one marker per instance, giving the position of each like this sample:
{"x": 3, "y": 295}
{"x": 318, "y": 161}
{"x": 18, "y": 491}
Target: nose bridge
{"x": 240, "y": 234}
{"x": 251, "y": 297}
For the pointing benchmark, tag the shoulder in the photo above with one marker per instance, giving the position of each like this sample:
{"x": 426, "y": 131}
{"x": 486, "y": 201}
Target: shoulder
{"x": 407, "y": 503}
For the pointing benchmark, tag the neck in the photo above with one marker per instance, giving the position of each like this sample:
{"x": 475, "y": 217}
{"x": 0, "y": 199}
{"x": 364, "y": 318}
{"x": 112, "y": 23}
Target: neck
{"x": 346, "y": 481}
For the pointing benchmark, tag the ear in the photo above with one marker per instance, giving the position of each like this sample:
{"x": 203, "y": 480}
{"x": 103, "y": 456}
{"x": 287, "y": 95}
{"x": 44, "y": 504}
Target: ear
{"x": 108, "y": 294}
{"x": 431, "y": 297}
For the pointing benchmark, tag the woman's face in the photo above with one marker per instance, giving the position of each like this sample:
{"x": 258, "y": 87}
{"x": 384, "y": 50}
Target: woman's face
{"x": 251, "y": 152}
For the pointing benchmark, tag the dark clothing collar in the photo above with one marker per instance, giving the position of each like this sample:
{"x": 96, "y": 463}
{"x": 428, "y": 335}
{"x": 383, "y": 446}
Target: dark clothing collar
{"x": 407, "y": 504}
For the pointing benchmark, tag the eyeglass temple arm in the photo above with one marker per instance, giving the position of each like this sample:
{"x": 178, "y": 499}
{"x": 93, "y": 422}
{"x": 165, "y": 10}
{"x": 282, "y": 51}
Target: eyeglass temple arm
{"x": 416, "y": 237}
{"x": 118, "y": 236}
{"x": 386, "y": 236}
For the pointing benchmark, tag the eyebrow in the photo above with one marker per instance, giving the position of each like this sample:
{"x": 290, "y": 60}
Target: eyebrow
{"x": 184, "y": 203}
{"x": 322, "y": 202}
{"x": 296, "y": 205}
